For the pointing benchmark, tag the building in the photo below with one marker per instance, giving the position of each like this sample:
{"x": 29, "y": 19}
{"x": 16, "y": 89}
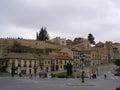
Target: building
{"x": 25, "y": 63}
{"x": 81, "y": 43}
{"x": 69, "y": 42}
{"x": 61, "y": 60}
{"x": 46, "y": 63}
{"x": 75, "y": 55}
{"x": 59, "y": 41}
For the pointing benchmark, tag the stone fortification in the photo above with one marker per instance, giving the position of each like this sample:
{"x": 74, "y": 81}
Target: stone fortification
{"x": 30, "y": 43}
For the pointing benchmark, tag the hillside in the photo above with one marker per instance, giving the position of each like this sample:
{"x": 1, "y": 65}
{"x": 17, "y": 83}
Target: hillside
{"x": 23, "y": 45}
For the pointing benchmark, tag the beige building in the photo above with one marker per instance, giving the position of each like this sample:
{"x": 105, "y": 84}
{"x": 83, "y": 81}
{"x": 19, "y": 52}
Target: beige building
{"x": 61, "y": 60}
{"x": 44, "y": 56}
{"x": 75, "y": 55}
{"x": 46, "y": 63}
{"x": 28, "y": 63}
{"x": 59, "y": 41}
{"x": 25, "y": 63}
{"x": 107, "y": 51}
{"x": 82, "y": 44}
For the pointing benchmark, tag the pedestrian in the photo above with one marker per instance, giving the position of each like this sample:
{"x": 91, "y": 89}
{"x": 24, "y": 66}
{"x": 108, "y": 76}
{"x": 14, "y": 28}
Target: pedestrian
{"x": 39, "y": 75}
{"x": 20, "y": 74}
{"x": 90, "y": 76}
{"x": 66, "y": 77}
{"x": 51, "y": 75}
{"x": 31, "y": 75}
{"x": 105, "y": 76}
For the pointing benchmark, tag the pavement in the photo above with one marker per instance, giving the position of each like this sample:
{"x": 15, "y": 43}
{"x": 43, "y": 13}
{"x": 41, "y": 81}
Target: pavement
{"x": 80, "y": 84}
{"x": 36, "y": 83}
{"x": 9, "y": 83}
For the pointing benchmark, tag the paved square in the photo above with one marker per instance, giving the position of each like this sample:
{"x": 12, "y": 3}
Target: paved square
{"x": 57, "y": 84}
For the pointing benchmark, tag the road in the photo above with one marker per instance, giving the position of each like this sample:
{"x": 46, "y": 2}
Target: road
{"x": 9, "y": 83}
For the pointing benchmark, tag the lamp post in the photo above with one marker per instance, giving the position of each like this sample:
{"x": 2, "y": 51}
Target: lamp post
{"x": 35, "y": 70}
{"x": 82, "y": 59}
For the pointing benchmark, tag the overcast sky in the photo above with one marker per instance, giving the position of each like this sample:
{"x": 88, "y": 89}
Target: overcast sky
{"x": 65, "y": 18}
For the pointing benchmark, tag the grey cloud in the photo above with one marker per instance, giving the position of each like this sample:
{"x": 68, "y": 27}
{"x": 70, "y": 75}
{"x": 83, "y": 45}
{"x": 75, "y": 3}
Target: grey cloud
{"x": 67, "y": 18}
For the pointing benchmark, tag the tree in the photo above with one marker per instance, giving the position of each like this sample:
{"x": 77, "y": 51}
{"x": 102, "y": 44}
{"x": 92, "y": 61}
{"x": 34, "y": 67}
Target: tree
{"x": 42, "y": 35}
{"x": 37, "y": 36}
{"x": 46, "y": 34}
{"x": 77, "y": 39}
{"x": 69, "y": 69}
{"x": 91, "y": 39}
{"x": 117, "y": 62}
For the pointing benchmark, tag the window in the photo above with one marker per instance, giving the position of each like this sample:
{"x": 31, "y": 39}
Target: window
{"x": 48, "y": 62}
{"x": 25, "y": 63}
{"x": 65, "y": 62}
{"x": 30, "y": 64}
{"x": 61, "y": 66}
{"x": 45, "y": 62}
{"x": 60, "y": 61}
{"x": 19, "y": 63}
{"x": 2, "y": 62}
{"x": 56, "y": 61}
{"x": 62, "y": 42}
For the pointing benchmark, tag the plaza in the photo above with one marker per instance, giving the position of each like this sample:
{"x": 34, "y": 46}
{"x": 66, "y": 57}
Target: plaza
{"x": 9, "y": 83}
{"x": 36, "y": 83}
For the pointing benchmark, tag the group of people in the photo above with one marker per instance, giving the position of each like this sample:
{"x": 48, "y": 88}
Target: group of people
{"x": 44, "y": 75}
{"x": 41, "y": 75}
{"x": 94, "y": 76}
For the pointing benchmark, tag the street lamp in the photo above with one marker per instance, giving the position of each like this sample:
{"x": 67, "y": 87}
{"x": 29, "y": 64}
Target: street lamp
{"x": 35, "y": 70}
{"x": 82, "y": 56}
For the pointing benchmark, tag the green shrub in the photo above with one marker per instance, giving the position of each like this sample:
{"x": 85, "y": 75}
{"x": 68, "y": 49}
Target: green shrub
{"x": 63, "y": 75}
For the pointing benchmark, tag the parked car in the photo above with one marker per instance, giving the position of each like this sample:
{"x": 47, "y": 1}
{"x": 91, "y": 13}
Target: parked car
{"x": 116, "y": 72}
{"x": 118, "y": 88}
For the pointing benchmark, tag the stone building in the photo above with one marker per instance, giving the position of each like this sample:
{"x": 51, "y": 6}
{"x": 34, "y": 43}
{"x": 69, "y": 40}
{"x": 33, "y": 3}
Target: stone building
{"x": 61, "y": 60}
{"x": 25, "y": 63}
{"x": 43, "y": 56}
{"x": 75, "y": 55}
{"x": 28, "y": 63}
{"x": 81, "y": 43}
{"x": 46, "y": 63}
{"x": 59, "y": 41}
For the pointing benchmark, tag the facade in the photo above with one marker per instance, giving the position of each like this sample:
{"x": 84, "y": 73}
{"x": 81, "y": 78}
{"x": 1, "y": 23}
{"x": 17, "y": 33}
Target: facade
{"x": 82, "y": 44}
{"x": 100, "y": 53}
{"x": 87, "y": 57}
{"x": 27, "y": 63}
{"x": 107, "y": 51}
{"x": 69, "y": 42}
{"x": 116, "y": 50}
{"x": 47, "y": 63}
{"x": 61, "y": 60}
{"x": 75, "y": 55}
{"x": 47, "y": 57}
{"x": 24, "y": 63}
{"x": 3, "y": 65}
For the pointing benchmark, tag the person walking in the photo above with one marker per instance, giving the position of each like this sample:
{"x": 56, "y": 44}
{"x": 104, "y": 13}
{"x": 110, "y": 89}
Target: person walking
{"x": 105, "y": 76}
{"x": 20, "y": 74}
{"x": 39, "y": 75}
{"x": 31, "y": 75}
{"x": 66, "y": 77}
